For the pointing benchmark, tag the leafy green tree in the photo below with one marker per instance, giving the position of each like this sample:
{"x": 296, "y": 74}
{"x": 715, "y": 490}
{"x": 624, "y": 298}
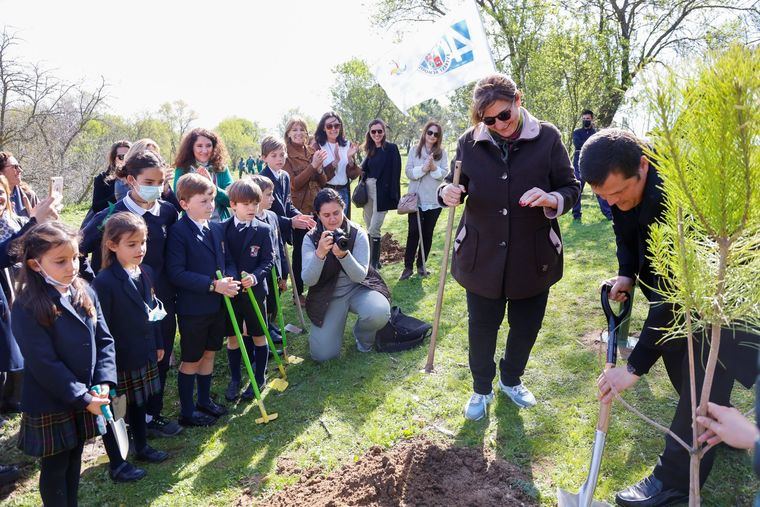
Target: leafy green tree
{"x": 241, "y": 136}
{"x": 707, "y": 250}
{"x": 311, "y": 123}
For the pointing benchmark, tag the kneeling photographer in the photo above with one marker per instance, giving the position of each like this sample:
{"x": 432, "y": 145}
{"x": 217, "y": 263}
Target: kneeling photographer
{"x": 336, "y": 269}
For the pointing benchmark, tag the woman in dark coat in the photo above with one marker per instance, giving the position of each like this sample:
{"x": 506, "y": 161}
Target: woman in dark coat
{"x": 382, "y": 170}
{"x": 516, "y": 180}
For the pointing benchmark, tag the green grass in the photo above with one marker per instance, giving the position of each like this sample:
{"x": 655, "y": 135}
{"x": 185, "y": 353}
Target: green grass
{"x": 368, "y": 399}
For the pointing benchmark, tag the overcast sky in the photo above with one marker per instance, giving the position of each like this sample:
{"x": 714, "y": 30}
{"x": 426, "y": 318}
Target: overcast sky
{"x": 249, "y": 58}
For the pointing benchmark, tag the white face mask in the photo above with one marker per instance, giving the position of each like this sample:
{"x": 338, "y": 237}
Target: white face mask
{"x": 51, "y": 281}
{"x": 158, "y": 313}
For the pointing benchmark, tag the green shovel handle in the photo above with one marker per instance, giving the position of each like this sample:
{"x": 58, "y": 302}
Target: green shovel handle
{"x": 239, "y": 336}
{"x": 262, "y": 322}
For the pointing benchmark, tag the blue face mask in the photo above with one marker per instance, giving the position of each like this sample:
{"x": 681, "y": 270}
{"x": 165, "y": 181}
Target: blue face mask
{"x": 149, "y": 193}
{"x": 52, "y": 281}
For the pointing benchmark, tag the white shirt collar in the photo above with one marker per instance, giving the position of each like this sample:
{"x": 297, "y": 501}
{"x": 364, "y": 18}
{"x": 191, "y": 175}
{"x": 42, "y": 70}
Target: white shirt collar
{"x": 238, "y": 222}
{"x": 138, "y": 210}
{"x": 199, "y": 225}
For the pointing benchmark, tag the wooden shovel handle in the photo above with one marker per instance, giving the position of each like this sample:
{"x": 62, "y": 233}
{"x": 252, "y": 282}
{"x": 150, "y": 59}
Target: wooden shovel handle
{"x": 604, "y": 409}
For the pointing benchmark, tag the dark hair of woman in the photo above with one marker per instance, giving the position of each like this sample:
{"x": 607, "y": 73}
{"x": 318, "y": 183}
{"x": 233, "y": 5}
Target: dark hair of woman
{"x": 369, "y": 143}
{"x": 489, "y": 90}
{"x": 111, "y": 168}
{"x": 34, "y": 292}
{"x": 119, "y": 226}
{"x": 219, "y": 157}
{"x": 436, "y": 151}
{"x": 136, "y": 164}
{"x": 320, "y": 136}
{"x": 325, "y": 196}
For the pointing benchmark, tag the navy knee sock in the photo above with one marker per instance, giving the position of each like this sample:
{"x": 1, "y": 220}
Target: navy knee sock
{"x": 261, "y": 356}
{"x": 233, "y": 358}
{"x": 204, "y": 390}
{"x": 186, "y": 386}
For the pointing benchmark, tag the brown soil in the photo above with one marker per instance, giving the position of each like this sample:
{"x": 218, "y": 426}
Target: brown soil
{"x": 390, "y": 249}
{"x": 414, "y": 472}
{"x": 593, "y": 341}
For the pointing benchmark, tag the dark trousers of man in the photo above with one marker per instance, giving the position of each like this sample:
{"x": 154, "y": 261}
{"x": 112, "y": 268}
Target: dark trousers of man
{"x": 155, "y": 403}
{"x": 603, "y": 206}
{"x": 673, "y": 464}
{"x": 298, "y": 236}
{"x": 485, "y": 316}
{"x": 428, "y": 219}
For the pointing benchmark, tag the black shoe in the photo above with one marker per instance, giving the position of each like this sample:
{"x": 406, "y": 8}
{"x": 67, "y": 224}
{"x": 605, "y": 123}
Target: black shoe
{"x": 650, "y": 492}
{"x": 212, "y": 409}
{"x": 127, "y": 472}
{"x": 8, "y": 474}
{"x": 151, "y": 455}
{"x": 3, "y": 421}
{"x": 248, "y": 393}
{"x": 197, "y": 419}
{"x": 161, "y": 427}
{"x": 407, "y": 273}
{"x": 271, "y": 352}
{"x": 233, "y": 390}
{"x": 422, "y": 272}
{"x": 274, "y": 333}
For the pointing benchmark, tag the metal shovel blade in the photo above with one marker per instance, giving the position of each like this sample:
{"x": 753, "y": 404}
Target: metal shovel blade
{"x": 119, "y": 428}
{"x": 565, "y": 499}
{"x": 585, "y": 497}
{"x": 293, "y": 329}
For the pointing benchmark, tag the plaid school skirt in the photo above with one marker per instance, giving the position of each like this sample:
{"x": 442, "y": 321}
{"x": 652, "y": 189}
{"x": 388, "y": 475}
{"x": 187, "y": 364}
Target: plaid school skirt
{"x": 48, "y": 434}
{"x": 138, "y": 385}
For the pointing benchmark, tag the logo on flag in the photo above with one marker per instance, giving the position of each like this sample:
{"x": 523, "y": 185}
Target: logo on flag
{"x": 451, "y": 52}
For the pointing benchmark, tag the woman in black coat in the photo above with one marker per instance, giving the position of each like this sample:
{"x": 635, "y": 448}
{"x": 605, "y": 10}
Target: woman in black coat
{"x": 382, "y": 171}
{"x": 103, "y": 185}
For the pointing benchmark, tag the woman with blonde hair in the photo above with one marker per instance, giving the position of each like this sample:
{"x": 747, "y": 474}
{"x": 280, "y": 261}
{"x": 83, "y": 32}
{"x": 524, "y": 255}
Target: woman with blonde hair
{"x": 307, "y": 177}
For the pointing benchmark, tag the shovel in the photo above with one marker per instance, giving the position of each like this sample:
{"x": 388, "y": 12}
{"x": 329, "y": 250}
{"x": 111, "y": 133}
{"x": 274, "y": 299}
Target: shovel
{"x": 118, "y": 427}
{"x": 265, "y": 418}
{"x": 278, "y": 384}
{"x": 281, "y": 321}
{"x": 585, "y": 497}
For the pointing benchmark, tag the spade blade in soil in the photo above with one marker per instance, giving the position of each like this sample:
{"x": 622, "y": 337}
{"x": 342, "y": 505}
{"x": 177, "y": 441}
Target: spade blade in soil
{"x": 565, "y": 499}
{"x": 278, "y": 384}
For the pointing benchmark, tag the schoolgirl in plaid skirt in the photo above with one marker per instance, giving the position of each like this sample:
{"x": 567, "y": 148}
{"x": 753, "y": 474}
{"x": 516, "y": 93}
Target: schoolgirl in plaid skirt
{"x": 67, "y": 349}
{"x": 133, "y": 314}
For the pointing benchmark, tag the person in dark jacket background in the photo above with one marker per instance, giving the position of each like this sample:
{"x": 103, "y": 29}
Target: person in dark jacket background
{"x": 580, "y": 136}
{"x": 382, "y": 170}
{"x": 516, "y": 180}
{"x": 103, "y": 185}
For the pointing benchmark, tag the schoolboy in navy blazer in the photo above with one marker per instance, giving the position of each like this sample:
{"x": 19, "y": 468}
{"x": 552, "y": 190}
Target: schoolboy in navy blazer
{"x": 191, "y": 262}
{"x": 125, "y": 311}
{"x": 82, "y": 343}
{"x": 283, "y": 205}
{"x": 251, "y": 252}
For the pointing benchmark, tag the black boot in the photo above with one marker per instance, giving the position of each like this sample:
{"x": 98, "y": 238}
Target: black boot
{"x": 374, "y": 253}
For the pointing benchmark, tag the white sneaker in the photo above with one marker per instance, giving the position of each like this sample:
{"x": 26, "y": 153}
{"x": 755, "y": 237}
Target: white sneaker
{"x": 519, "y": 394}
{"x": 477, "y": 408}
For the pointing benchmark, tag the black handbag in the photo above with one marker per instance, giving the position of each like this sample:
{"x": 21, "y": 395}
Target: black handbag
{"x": 402, "y": 332}
{"x": 360, "y": 195}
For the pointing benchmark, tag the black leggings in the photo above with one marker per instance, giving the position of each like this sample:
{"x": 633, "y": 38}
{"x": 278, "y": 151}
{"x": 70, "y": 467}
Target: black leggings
{"x": 59, "y": 477}
{"x": 428, "y": 220}
{"x": 138, "y": 429}
{"x": 485, "y": 316}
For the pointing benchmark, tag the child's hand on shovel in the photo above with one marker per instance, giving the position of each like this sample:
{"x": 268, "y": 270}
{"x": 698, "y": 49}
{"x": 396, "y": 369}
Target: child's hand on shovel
{"x": 248, "y": 281}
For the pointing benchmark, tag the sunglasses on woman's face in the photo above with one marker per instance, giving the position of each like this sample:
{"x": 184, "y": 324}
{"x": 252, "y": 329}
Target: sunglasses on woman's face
{"x": 433, "y": 133}
{"x": 376, "y": 131}
{"x": 332, "y": 126}
{"x": 502, "y": 116}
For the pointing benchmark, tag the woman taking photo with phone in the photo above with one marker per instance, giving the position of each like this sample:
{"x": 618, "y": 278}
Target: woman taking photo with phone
{"x": 382, "y": 170}
{"x": 426, "y": 167}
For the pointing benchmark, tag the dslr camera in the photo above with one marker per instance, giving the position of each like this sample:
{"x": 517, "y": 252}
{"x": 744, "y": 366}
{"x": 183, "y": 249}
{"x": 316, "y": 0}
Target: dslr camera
{"x": 339, "y": 238}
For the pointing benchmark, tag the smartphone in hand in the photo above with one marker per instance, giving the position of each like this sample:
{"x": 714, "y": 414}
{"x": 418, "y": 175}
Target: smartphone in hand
{"x": 56, "y": 186}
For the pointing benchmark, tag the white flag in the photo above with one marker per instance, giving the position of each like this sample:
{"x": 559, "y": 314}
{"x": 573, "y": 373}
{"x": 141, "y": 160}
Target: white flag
{"x": 451, "y": 53}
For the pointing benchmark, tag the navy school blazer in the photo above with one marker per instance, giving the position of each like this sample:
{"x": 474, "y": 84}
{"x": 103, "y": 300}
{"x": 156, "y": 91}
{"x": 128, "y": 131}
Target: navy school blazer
{"x": 64, "y": 360}
{"x": 192, "y": 262}
{"x": 255, "y": 255}
{"x": 283, "y": 204}
{"x": 125, "y": 310}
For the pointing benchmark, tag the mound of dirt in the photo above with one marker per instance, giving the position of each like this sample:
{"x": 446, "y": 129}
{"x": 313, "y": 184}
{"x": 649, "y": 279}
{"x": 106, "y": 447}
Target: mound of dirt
{"x": 390, "y": 249}
{"x": 414, "y": 472}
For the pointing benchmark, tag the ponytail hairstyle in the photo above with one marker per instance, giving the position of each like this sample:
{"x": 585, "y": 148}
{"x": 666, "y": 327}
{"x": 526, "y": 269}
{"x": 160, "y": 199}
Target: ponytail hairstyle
{"x": 119, "y": 226}
{"x": 138, "y": 162}
{"x": 34, "y": 294}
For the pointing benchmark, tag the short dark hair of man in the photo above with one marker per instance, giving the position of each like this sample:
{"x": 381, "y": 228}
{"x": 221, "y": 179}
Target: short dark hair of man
{"x": 587, "y": 111}
{"x": 608, "y": 151}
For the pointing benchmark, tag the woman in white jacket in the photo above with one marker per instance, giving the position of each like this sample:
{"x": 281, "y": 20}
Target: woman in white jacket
{"x": 426, "y": 168}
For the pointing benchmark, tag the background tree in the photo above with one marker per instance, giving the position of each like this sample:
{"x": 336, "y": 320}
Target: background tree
{"x": 311, "y": 123}
{"x": 242, "y": 138}
{"x": 179, "y": 116}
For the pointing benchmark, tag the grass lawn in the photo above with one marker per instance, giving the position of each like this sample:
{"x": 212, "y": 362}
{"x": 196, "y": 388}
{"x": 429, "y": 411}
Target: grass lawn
{"x": 332, "y": 413}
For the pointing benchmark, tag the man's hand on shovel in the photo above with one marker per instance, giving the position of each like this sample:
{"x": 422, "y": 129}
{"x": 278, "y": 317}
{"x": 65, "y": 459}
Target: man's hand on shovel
{"x": 619, "y": 377}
